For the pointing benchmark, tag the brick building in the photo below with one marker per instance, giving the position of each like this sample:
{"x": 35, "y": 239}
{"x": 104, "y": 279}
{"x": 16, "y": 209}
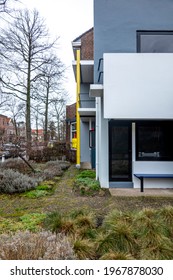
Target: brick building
{"x": 85, "y": 41}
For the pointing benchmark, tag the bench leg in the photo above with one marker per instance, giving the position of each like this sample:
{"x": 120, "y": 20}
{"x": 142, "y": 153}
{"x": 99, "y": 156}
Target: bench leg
{"x": 142, "y": 184}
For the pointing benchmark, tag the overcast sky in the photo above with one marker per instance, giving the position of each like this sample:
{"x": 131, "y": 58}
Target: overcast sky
{"x": 66, "y": 19}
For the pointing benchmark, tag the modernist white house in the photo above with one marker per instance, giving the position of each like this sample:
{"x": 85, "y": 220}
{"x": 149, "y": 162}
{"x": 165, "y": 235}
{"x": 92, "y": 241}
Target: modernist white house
{"x": 133, "y": 91}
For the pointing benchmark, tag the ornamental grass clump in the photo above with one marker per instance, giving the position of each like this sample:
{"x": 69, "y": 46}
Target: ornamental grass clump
{"x": 57, "y": 223}
{"x": 35, "y": 246}
{"x": 116, "y": 256}
{"x": 14, "y": 182}
{"x": 166, "y": 215}
{"x": 118, "y": 238}
{"x": 84, "y": 249}
{"x": 86, "y": 226}
{"x": 152, "y": 235}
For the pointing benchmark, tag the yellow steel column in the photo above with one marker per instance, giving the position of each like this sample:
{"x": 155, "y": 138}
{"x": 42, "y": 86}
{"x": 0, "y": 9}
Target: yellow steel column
{"x": 77, "y": 107}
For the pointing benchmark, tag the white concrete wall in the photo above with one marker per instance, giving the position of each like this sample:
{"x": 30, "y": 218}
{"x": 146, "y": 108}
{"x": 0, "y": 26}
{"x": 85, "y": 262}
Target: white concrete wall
{"x": 103, "y": 152}
{"x": 138, "y": 85}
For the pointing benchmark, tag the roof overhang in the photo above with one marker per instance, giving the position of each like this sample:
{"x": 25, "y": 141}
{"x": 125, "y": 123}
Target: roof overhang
{"x": 86, "y": 71}
{"x": 87, "y": 112}
{"x": 96, "y": 90}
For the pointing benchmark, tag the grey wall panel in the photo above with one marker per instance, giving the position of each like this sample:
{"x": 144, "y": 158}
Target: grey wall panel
{"x": 116, "y": 23}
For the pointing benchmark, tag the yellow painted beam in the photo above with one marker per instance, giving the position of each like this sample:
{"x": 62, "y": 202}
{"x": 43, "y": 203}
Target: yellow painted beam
{"x": 77, "y": 107}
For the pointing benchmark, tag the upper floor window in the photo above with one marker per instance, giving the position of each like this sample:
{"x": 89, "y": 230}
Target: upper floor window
{"x": 155, "y": 41}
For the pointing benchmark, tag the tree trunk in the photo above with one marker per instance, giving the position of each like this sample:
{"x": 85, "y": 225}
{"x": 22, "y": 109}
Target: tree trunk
{"x": 28, "y": 105}
{"x": 46, "y": 114}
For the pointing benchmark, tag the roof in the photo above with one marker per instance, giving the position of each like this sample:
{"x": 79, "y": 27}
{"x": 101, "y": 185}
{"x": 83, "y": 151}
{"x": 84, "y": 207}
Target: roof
{"x": 40, "y": 131}
{"x": 79, "y": 37}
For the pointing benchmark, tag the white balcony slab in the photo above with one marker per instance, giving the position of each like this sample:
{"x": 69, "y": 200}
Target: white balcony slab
{"x": 138, "y": 86}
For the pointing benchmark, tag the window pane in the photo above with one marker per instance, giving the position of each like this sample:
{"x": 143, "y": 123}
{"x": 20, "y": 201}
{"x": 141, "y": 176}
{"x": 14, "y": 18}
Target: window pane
{"x": 154, "y": 141}
{"x": 155, "y": 41}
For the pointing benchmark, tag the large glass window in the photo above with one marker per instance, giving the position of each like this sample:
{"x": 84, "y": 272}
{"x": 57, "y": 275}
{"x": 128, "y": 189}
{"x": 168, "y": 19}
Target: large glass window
{"x": 154, "y": 141}
{"x": 155, "y": 41}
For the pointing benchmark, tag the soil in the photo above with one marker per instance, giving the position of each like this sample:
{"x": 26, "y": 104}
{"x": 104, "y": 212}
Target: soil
{"x": 65, "y": 199}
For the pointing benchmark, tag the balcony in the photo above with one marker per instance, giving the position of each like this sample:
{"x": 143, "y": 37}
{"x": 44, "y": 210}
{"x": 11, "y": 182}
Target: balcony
{"x": 138, "y": 86}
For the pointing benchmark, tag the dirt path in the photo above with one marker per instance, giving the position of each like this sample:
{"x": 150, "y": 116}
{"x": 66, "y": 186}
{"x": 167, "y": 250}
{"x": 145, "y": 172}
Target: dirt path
{"x": 66, "y": 200}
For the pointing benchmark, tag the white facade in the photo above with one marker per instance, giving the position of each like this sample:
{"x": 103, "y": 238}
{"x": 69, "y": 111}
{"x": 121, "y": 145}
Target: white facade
{"x": 136, "y": 87}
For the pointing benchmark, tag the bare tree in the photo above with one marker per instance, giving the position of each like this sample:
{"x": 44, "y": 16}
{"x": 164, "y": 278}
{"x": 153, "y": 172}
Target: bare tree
{"x": 58, "y": 113}
{"x": 16, "y": 110}
{"x": 48, "y": 87}
{"x": 25, "y": 45}
{"x": 5, "y": 5}
{"x": 3, "y": 100}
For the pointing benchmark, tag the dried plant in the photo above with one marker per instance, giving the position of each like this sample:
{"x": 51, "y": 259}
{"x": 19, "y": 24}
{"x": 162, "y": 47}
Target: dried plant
{"x": 14, "y": 182}
{"x": 35, "y": 246}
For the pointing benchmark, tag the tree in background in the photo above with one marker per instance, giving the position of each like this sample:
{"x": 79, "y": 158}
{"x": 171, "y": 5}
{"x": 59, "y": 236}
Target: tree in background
{"x": 3, "y": 5}
{"x": 16, "y": 111}
{"x": 25, "y": 47}
{"x": 58, "y": 114}
{"x": 48, "y": 88}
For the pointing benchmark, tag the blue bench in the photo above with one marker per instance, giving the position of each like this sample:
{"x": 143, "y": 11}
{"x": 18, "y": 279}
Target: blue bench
{"x": 152, "y": 176}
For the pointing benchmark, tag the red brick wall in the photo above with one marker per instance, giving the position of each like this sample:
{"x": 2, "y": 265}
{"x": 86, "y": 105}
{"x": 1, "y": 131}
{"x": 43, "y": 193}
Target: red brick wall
{"x": 87, "y": 46}
{"x": 71, "y": 111}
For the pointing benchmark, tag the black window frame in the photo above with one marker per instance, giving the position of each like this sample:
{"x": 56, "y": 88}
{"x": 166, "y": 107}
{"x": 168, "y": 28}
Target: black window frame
{"x": 149, "y": 32}
{"x": 159, "y": 154}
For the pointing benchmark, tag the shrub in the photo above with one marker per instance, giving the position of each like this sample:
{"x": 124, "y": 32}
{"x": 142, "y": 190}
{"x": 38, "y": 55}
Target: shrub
{"x": 58, "y": 150}
{"x": 9, "y": 225}
{"x": 87, "y": 174}
{"x": 15, "y": 164}
{"x": 36, "y": 193}
{"x": 87, "y": 186}
{"x": 41, "y": 190}
{"x": 35, "y": 246}
{"x": 54, "y": 168}
{"x": 32, "y": 221}
{"x": 15, "y": 182}
{"x": 50, "y": 173}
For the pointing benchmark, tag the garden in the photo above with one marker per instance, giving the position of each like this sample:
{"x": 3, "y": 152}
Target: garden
{"x": 59, "y": 212}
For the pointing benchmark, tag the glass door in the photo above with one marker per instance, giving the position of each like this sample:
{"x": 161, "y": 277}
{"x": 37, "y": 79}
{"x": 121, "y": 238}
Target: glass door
{"x": 120, "y": 151}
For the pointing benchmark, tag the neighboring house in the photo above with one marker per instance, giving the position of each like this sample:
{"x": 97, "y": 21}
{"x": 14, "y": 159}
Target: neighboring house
{"x": 7, "y": 128}
{"x": 132, "y": 86}
{"x": 8, "y": 131}
{"x": 37, "y": 135}
{"x": 3, "y": 124}
{"x": 71, "y": 135}
{"x": 87, "y": 104}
